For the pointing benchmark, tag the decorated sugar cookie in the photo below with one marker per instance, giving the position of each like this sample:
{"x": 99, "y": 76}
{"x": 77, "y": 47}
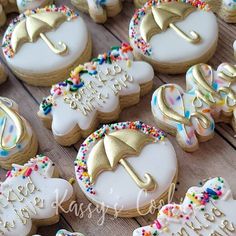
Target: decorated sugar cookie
{"x": 9, "y": 6}
{"x": 18, "y": 142}
{"x": 173, "y": 35}
{"x": 217, "y": 89}
{"x": 207, "y": 210}
{"x": 39, "y": 51}
{"x": 226, "y": 9}
{"x": 26, "y": 202}
{"x": 99, "y": 10}
{"x": 3, "y": 74}
{"x": 177, "y": 112}
{"x": 95, "y": 92}
{"x": 63, "y": 232}
{"x": 126, "y": 167}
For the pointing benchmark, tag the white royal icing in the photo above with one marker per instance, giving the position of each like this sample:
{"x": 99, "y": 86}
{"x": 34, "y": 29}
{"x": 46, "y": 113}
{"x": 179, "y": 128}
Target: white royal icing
{"x": 208, "y": 210}
{"x": 168, "y": 47}
{"x": 115, "y": 188}
{"x": 10, "y": 131}
{"x": 39, "y": 59}
{"x": 24, "y": 5}
{"x": 27, "y": 187}
{"x": 65, "y": 119}
{"x": 182, "y": 103}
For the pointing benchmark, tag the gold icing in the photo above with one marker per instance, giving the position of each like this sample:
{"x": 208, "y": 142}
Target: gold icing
{"x": 111, "y": 151}
{"x": 15, "y": 117}
{"x": 35, "y": 25}
{"x": 163, "y": 16}
{"x": 228, "y": 73}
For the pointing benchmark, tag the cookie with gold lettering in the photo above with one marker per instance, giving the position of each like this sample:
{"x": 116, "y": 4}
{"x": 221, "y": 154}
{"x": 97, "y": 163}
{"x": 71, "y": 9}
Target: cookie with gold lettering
{"x": 118, "y": 168}
{"x": 26, "y": 202}
{"x": 207, "y": 210}
{"x": 63, "y": 232}
{"x": 173, "y": 35}
{"x": 3, "y": 74}
{"x": 217, "y": 89}
{"x": 178, "y": 112}
{"x": 38, "y": 50}
{"x": 99, "y": 10}
{"x": 18, "y": 142}
{"x": 95, "y": 92}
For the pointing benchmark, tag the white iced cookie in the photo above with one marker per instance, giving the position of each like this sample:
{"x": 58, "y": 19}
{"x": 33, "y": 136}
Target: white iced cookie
{"x": 99, "y": 10}
{"x": 63, "y": 232}
{"x": 25, "y": 200}
{"x": 178, "y": 112}
{"x": 95, "y": 92}
{"x": 18, "y": 142}
{"x": 39, "y": 51}
{"x": 207, "y": 210}
{"x": 24, "y": 5}
{"x": 174, "y": 35}
{"x": 3, "y": 74}
{"x": 126, "y": 167}
{"x": 216, "y": 89}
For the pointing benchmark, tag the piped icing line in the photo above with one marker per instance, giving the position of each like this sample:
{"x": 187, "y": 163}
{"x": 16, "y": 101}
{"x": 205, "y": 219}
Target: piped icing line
{"x": 139, "y": 13}
{"x": 75, "y": 82}
{"x": 80, "y": 162}
{"x": 6, "y": 45}
{"x": 196, "y": 198}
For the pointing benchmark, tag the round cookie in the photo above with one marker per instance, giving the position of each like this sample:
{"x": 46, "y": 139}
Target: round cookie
{"x": 39, "y": 51}
{"x": 206, "y": 210}
{"x": 99, "y": 10}
{"x": 25, "y": 199}
{"x": 18, "y": 142}
{"x": 24, "y": 5}
{"x": 174, "y": 35}
{"x": 126, "y": 167}
{"x": 3, "y": 74}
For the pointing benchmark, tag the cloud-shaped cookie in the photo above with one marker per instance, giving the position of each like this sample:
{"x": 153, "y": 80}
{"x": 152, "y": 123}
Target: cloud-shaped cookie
{"x": 25, "y": 201}
{"x": 207, "y": 210}
{"x": 95, "y": 92}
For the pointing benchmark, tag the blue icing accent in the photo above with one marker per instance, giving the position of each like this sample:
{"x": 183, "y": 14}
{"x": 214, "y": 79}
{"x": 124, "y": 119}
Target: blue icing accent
{"x": 4, "y": 153}
{"x": 187, "y": 114}
{"x": 212, "y": 126}
{"x": 215, "y": 85}
{"x": 155, "y": 101}
{"x": 1, "y": 121}
{"x": 178, "y": 98}
{"x": 18, "y": 146}
{"x": 179, "y": 127}
{"x": 11, "y": 128}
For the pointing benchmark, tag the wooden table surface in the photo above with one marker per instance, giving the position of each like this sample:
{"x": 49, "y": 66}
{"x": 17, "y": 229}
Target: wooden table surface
{"x": 214, "y": 158}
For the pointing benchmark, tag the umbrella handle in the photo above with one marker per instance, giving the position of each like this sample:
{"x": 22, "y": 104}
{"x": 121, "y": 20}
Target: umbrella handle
{"x": 149, "y": 184}
{"x": 60, "y": 49}
{"x": 192, "y": 38}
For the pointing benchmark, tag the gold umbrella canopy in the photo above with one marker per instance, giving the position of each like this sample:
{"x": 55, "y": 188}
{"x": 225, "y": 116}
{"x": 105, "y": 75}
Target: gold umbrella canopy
{"x": 163, "y": 16}
{"x": 9, "y": 113}
{"x": 111, "y": 151}
{"x": 34, "y": 26}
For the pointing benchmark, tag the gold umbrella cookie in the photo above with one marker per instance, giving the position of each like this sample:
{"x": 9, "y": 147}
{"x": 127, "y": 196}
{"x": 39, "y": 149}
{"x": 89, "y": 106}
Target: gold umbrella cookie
{"x": 99, "y": 10}
{"x": 174, "y": 35}
{"x": 25, "y": 199}
{"x": 38, "y": 50}
{"x": 18, "y": 142}
{"x": 118, "y": 168}
{"x": 96, "y": 92}
{"x": 9, "y": 6}
{"x": 206, "y": 210}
